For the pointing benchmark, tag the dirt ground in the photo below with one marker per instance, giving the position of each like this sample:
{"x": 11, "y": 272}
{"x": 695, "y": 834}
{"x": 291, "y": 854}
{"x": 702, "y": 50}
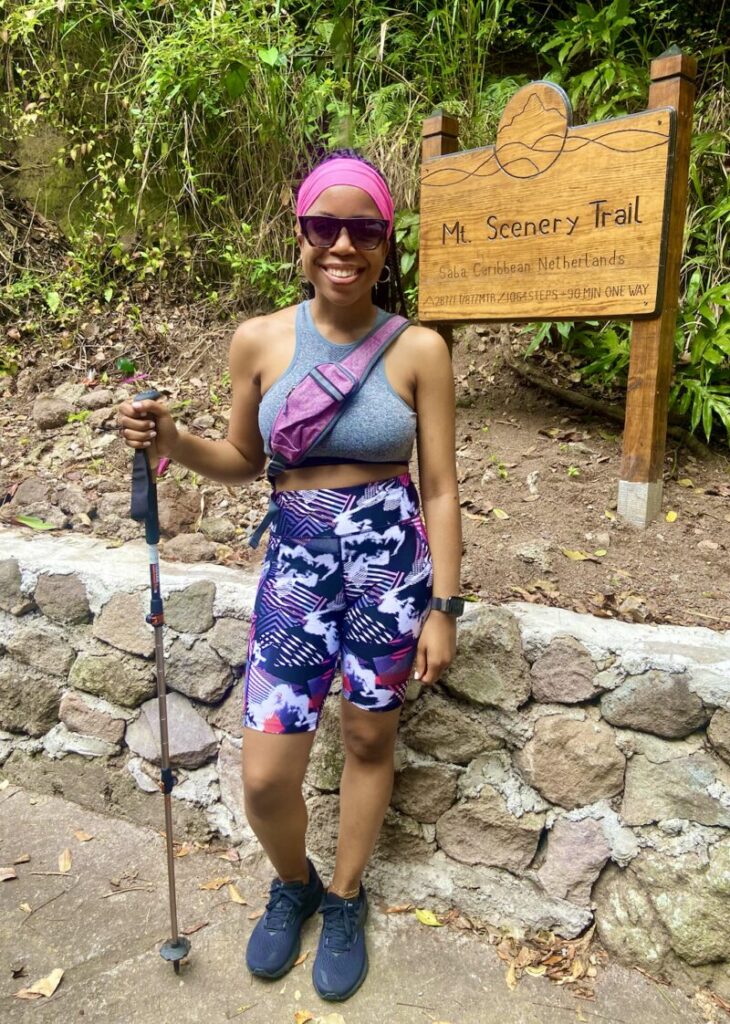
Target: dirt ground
{"x": 538, "y": 479}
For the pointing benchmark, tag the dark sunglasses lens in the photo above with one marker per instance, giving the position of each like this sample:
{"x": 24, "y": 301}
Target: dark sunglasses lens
{"x": 322, "y": 231}
{"x": 366, "y": 232}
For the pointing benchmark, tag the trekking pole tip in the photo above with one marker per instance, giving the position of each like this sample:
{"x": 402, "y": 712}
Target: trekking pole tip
{"x": 174, "y": 952}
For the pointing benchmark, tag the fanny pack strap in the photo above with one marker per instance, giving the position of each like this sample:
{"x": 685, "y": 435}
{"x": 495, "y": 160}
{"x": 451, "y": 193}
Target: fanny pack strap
{"x": 360, "y": 362}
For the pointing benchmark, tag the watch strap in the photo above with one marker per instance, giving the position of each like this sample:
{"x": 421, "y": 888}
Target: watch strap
{"x": 450, "y": 605}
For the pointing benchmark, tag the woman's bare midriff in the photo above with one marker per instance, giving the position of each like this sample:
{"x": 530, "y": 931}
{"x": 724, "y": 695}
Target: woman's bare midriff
{"x": 346, "y": 475}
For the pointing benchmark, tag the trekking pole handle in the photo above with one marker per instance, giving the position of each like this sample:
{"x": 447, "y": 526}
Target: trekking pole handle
{"x": 144, "y": 487}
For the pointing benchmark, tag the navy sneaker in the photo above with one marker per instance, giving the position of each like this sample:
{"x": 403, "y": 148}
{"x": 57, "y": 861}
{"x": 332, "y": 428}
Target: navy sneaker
{"x": 341, "y": 964}
{"x": 275, "y": 941}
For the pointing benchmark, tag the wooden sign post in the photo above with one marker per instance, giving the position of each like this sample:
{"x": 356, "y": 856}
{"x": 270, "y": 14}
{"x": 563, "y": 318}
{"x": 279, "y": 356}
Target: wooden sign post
{"x": 556, "y": 222}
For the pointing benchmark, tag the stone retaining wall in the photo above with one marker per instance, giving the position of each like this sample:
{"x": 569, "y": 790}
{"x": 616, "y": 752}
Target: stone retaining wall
{"x": 570, "y": 768}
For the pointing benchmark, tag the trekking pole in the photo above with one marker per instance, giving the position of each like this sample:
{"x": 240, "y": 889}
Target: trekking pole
{"x": 144, "y": 509}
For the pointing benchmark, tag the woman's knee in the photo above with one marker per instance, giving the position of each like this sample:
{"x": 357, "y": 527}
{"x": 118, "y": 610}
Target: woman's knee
{"x": 368, "y": 741}
{"x": 273, "y": 768}
{"x": 264, "y": 792}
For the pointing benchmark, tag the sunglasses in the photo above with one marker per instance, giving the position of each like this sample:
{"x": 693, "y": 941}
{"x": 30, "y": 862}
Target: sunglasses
{"x": 364, "y": 232}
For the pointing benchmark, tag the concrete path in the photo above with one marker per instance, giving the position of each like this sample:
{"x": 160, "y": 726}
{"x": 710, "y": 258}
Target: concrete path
{"x": 107, "y": 945}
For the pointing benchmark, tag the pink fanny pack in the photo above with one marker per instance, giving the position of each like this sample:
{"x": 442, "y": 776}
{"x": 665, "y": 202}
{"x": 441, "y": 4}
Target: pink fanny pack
{"x": 314, "y": 405}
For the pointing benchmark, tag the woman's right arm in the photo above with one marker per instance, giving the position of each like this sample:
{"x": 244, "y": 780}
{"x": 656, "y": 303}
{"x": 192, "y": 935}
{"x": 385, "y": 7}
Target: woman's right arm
{"x": 240, "y": 457}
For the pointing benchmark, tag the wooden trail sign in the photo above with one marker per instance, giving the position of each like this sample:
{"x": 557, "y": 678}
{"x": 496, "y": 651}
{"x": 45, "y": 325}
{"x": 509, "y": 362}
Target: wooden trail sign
{"x": 552, "y": 222}
{"x": 556, "y": 222}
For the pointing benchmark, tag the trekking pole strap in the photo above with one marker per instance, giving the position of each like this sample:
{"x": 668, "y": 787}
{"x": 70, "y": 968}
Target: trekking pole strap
{"x": 167, "y": 780}
{"x": 144, "y": 489}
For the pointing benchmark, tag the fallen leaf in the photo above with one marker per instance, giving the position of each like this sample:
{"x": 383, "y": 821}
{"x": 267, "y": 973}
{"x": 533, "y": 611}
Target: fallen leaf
{"x": 83, "y": 837}
{"x": 44, "y": 987}
{"x": 26, "y": 908}
{"x": 547, "y": 586}
{"x": 194, "y": 928}
{"x": 505, "y": 949}
{"x": 575, "y": 556}
{"x": 7, "y": 874}
{"x": 473, "y": 515}
{"x": 4, "y": 784}
{"x": 524, "y": 957}
{"x": 671, "y": 517}
{"x": 302, "y": 1016}
{"x": 600, "y": 553}
{"x": 511, "y": 977}
{"x": 301, "y": 958}
{"x": 255, "y": 915}
{"x": 231, "y": 855}
{"x": 536, "y": 972}
{"x": 331, "y": 1018}
{"x": 579, "y": 1016}
{"x": 685, "y": 482}
{"x": 428, "y": 917}
{"x": 578, "y": 969}
{"x": 64, "y": 860}
{"x": 610, "y": 515}
{"x": 34, "y": 522}
{"x": 499, "y": 513}
{"x": 399, "y": 908}
{"x": 22, "y": 858}
{"x": 235, "y": 895}
{"x": 184, "y": 850}
{"x": 215, "y": 884}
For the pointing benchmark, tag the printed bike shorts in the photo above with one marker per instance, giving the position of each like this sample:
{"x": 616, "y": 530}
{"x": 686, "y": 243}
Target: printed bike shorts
{"x": 346, "y": 578}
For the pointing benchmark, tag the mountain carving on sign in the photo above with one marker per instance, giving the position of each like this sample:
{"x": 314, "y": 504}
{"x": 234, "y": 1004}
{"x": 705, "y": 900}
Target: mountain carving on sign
{"x": 532, "y": 131}
{"x": 536, "y": 128}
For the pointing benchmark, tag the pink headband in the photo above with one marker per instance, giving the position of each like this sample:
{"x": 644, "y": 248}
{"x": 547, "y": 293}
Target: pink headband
{"x": 346, "y": 170}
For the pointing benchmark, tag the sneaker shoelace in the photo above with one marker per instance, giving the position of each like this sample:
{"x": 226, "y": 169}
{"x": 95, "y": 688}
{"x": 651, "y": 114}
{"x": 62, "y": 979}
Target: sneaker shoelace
{"x": 339, "y": 925}
{"x": 284, "y": 901}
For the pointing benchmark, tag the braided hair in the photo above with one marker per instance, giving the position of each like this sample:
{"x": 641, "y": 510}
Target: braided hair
{"x": 387, "y": 294}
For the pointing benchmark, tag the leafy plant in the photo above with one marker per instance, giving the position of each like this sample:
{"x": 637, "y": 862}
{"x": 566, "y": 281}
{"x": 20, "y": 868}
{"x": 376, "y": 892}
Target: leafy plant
{"x": 616, "y": 41}
{"x": 9, "y": 365}
{"x": 190, "y": 125}
{"x": 78, "y": 417}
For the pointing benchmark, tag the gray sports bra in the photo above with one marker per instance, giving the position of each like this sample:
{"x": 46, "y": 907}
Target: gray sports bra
{"x": 376, "y": 426}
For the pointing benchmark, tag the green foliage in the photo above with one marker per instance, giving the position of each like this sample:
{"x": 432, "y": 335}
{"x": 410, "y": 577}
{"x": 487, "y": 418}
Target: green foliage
{"x": 8, "y": 360}
{"x": 78, "y": 417}
{"x": 192, "y": 124}
{"x": 616, "y": 41}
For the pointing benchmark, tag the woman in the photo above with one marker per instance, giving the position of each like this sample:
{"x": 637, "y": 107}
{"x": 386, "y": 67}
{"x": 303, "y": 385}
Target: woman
{"x": 350, "y": 575}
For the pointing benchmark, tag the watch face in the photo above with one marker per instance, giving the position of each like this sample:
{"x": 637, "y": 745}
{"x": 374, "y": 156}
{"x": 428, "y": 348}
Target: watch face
{"x": 457, "y": 605}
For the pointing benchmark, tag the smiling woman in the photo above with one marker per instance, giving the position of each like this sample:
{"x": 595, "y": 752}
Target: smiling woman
{"x": 352, "y": 577}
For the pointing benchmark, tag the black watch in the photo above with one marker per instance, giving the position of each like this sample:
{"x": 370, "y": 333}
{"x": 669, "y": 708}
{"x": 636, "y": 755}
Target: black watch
{"x": 450, "y": 605}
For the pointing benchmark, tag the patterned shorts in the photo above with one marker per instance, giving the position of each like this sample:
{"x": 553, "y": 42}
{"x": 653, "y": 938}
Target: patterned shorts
{"x": 346, "y": 578}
